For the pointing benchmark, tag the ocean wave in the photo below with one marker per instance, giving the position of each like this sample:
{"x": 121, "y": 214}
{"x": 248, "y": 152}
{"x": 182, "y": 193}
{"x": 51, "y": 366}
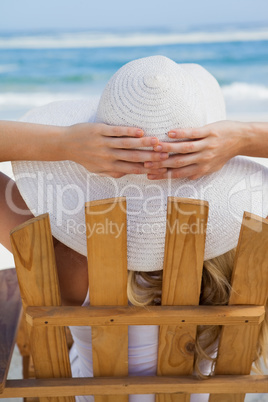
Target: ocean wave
{"x": 14, "y": 100}
{"x": 99, "y": 40}
{"x": 241, "y": 97}
{"x": 241, "y": 90}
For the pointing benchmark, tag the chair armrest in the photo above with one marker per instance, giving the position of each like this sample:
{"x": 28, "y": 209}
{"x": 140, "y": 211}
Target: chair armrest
{"x": 10, "y": 310}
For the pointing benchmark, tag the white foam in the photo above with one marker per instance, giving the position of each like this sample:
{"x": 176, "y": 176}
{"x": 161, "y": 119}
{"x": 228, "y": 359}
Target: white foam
{"x": 241, "y": 90}
{"x": 13, "y": 100}
{"x": 241, "y": 97}
{"x": 98, "y": 39}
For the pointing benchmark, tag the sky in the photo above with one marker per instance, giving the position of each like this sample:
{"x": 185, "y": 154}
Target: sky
{"x": 33, "y": 15}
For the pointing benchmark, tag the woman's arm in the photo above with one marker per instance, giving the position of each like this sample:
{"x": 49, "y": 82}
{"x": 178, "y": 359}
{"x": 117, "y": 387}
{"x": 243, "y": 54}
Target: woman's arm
{"x": 208, "y": 148}
{"x": 100, "y": 148}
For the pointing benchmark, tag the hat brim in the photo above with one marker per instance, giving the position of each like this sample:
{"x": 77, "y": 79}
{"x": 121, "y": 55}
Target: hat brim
{"x": 61, "y": 189}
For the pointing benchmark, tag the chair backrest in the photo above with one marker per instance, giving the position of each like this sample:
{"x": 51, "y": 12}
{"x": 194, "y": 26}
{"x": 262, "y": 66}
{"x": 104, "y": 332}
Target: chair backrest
{"x": 109, "y": 313}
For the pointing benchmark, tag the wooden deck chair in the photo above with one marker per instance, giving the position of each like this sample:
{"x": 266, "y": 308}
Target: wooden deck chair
{"x": 109, "y": 313}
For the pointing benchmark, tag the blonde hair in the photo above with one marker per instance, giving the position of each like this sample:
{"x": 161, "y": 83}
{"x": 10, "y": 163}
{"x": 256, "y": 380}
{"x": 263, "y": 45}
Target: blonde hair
{"x": 144, "y": 288}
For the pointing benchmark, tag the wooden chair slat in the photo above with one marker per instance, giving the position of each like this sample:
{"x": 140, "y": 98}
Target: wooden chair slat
{"x": 24, "y": 345}
{"x": 249, "y": 286}
{"x": 34, "y": 257}
{"x": 152, "y": 315}
{"x": 134, "y": 385}
{"x": 183, "y": 266}
{"x": 107, "y": 270}
{"x": 10, "y": 310}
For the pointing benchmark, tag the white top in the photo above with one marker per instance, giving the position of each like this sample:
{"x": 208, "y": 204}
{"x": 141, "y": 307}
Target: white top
{"x": 142, "y": 356}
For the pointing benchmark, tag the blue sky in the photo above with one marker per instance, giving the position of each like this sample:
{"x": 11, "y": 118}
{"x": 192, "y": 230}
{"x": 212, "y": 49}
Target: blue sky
{"x": 87, "y": 14}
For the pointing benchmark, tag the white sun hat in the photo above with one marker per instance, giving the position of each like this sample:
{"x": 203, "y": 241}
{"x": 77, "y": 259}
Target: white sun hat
{"x": 156, "y": 95}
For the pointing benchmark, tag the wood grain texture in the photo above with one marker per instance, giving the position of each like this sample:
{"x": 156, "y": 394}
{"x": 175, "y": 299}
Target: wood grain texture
{"x": 34, "y": 257}
{"x": 10, "y": 310}
{"x": 237, "y": 348}
{"x": 23, "y": 344}
{"x": 135, "y": 385}
{"x": 183, "y": 266}
{"x": 152, "y": 315}
{"x": 22, "y": 337}
{"x": 107, "y": 271}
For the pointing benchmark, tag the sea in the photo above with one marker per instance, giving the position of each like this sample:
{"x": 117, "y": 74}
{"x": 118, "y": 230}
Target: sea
{"x": 43, "y": 66}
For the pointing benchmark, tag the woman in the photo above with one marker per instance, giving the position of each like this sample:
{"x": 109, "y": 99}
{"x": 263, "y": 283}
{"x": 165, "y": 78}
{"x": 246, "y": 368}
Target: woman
{"x": 156, "y": 95}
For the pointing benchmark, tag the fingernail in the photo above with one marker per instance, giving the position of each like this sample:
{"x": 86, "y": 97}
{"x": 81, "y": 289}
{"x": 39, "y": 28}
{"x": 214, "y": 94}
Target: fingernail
{"x": 151, "y": 176}
{"x": 154, "y": 141}
{"x": 164, "y": 155}
{"x": 172, "y": 134}
{"x": 158, "y": 148}
{"x": 148, "y": 164}
{"x": 139, "y": 133}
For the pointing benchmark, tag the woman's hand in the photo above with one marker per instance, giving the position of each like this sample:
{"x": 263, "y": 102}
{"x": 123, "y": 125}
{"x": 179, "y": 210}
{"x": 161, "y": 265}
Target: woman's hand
{"x": 201, "y": 151}
{"x": 110, "y": 150}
